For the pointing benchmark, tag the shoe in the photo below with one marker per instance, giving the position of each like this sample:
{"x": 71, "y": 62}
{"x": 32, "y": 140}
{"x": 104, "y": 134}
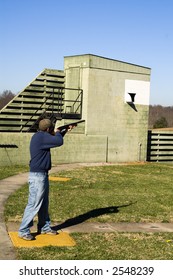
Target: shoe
{"x": 50, "y": 232}
{"x": 27, "y": 237}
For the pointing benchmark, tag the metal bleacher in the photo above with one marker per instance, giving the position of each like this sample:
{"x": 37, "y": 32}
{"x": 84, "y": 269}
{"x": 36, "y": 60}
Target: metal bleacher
{"x": 45, "y": 96}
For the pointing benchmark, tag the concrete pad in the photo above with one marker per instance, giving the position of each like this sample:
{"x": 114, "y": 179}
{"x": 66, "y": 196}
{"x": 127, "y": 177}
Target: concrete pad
{"x": 62, "y": 239}
{"x": 141, "y": 227}
{"x": 119, "y": 227}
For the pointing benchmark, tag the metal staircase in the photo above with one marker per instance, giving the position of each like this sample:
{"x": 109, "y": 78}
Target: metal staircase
{"x": 45, "y": 96}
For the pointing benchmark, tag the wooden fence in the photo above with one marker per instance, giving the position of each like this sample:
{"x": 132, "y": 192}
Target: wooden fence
{"x": 160, "y": 145}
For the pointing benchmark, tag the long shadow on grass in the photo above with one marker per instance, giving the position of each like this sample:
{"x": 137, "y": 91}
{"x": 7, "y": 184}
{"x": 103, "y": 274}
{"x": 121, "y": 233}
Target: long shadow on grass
{"x": 90, "y": 214}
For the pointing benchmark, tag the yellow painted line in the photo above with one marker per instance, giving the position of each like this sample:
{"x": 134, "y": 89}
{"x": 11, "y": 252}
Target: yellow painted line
{"x": 41, "y": 240}
{"x": 60, "y": 179}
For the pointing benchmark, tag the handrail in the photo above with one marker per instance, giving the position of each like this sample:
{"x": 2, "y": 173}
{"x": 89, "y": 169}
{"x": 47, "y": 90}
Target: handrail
{"x": 60, "y": 105}
{"x": 80, "y": 94}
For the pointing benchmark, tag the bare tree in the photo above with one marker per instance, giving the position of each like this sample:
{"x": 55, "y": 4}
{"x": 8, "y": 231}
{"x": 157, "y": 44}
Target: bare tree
{"x": 5, "y": 97}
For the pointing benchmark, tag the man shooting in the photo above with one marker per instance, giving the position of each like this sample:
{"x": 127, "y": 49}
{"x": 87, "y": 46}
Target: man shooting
{"x": 40, "y": 164}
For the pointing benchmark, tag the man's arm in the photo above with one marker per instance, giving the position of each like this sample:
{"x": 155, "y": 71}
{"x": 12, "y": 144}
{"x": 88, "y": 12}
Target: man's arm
{"x": 52, "y": 141}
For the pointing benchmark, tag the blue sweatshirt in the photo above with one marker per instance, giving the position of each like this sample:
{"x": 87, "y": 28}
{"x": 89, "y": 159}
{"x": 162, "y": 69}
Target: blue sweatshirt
{"x": 40, "y": 145}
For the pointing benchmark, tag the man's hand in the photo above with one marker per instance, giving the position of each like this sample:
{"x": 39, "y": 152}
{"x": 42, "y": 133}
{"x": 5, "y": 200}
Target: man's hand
{"x": 66, "y": 129}
{"x": 70, "y": 127}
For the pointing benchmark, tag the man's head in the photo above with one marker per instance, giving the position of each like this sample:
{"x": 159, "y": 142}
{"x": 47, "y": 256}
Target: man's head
{"x": 45, "y": 125}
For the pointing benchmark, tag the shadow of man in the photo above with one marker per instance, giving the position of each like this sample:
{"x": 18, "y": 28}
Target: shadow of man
{"x": 88, "y": 215}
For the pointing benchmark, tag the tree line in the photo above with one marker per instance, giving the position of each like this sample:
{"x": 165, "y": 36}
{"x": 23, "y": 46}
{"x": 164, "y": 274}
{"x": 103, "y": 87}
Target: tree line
{"x": 159, "y": 116}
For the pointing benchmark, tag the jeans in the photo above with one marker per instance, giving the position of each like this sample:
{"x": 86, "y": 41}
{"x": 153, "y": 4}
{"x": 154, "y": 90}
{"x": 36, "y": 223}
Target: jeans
{"x": 38, "y": 203}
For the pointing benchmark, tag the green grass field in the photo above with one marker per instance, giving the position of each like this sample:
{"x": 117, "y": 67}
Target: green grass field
{"x": 115, "y": 193}
{"x": 7, "y": 171}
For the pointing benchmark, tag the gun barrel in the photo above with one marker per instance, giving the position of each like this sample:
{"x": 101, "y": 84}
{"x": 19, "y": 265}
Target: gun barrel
{"x": 67, "y": 125}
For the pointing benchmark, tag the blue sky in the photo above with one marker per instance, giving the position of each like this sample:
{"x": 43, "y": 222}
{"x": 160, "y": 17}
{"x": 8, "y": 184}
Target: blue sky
{"x": 37, "y": 34}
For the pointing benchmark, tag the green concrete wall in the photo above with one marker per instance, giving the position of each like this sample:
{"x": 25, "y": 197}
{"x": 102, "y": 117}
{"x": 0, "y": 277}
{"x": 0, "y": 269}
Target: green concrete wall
{"x": 14, "y": 156}
{"x": 76, "y": 148}
{"x": 123, "y": 147}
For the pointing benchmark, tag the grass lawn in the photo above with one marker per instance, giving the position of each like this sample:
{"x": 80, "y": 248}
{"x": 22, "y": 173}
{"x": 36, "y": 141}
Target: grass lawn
{"x": 7, "y": 171}
{"x": 115, "y": 193}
